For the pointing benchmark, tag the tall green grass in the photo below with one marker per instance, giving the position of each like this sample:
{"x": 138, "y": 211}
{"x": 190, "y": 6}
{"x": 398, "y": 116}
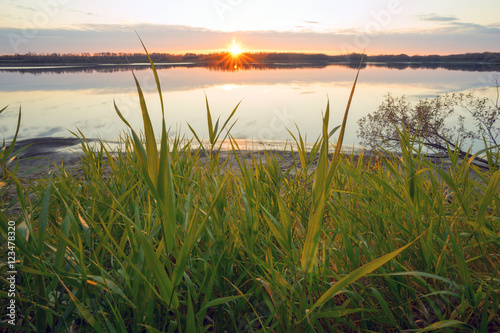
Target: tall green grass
{"x": 178, "y": 238}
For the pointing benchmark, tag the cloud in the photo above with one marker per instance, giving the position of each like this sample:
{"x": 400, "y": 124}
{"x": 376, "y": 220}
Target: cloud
{"x": 451, "y": 24}
{"x": 312, "y": 22}
{"x": 140, "y": 27}
{"x": 452, "y": 36}
{"x": 437, "y": 18}
{"x": 12, "y": 17}
{"x": 31, "y": 9}
{"x": 487, "y": 29}
{"x": 81, "y": 12}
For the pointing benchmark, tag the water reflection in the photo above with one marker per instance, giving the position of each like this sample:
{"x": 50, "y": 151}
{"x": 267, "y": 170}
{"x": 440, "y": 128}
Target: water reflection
{"x": 244, "y": 62}
{"x": 56, "y": 101}
{"x": 228, "y": 64}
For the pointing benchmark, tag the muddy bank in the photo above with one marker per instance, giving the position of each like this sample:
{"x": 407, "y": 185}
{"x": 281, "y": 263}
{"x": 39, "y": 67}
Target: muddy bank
{"x": 40, "y": 154}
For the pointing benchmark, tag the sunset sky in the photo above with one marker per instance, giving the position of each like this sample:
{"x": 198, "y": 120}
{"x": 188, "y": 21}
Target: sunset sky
{"x": 201, "y": 26}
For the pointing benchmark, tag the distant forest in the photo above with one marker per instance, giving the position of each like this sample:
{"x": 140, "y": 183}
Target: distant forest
{"x": 124, "y": 58}
{"x": 224, "y": 61}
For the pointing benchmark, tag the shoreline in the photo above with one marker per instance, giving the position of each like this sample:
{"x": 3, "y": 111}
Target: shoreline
{"x": 45, "y": 153}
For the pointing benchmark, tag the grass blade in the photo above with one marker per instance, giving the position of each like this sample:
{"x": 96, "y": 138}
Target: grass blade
{"x": 155, "y": 73}
{"x": 355, "y": 275}
{"x": 165, "y": 287}
{"x": 151, "y": 148}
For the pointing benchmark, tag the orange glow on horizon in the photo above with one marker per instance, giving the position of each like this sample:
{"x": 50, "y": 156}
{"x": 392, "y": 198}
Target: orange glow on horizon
{"x": 236, "y": 58}
{"x": 236, "y": 49}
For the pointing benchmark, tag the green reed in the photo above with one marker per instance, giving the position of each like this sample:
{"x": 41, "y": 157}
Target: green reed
{"x": 177, "y": 238}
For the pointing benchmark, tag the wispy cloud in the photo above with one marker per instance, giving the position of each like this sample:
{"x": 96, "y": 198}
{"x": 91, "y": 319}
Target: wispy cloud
{"x": 31, "y": 9}
{"x": 15, "y": 17}
{"x": 452, "y": 24}
{"x": 142, "y": 27}
{"x": 487, "y": 29}
{"x": 437, "y": 18}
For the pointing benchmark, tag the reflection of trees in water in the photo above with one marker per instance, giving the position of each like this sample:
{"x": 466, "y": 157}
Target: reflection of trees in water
{"x": 260, "y": 67}
{"x": 469, "y": 67}
{"x": 224, "y": 67}
{"x": 106, "y": 62}
{"x": 234, "y": 64}
{"x": 87, "y": 69}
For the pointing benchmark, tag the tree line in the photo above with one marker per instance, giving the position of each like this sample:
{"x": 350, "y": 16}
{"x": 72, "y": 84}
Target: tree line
{"x": 492, "y": 58}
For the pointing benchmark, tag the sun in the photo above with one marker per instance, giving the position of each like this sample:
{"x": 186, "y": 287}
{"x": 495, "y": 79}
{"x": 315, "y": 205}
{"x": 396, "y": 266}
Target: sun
{"x": 235, "y": 49}
{"x": 235, "y": 57}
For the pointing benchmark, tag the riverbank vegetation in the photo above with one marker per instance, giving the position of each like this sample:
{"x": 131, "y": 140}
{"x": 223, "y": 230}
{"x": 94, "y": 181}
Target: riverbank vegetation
{"x": 181, "y": 237}
{"x": 445, "y": 122}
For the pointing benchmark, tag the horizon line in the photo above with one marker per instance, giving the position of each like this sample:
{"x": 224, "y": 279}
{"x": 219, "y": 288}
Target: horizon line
{"x": 219, "y": 52}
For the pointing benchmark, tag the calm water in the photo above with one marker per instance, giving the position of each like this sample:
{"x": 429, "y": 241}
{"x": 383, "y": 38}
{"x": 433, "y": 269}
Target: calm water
{"x": 57, "y": 101}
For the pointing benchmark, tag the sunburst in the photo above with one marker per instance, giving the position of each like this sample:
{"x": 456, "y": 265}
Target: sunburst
{"x": 235, "y": 49}
{"x": 235, "y": 58}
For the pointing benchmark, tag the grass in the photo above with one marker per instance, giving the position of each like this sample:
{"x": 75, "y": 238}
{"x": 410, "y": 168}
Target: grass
{"x": 175, "y": 238}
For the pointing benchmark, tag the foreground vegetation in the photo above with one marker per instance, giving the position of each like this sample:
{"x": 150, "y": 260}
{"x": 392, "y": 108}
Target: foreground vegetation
{"x": 185, "y": 238}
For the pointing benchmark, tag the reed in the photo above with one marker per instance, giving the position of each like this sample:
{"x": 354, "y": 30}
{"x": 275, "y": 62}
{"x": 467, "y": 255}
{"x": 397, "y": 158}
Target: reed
{"x": 179, "y": 238}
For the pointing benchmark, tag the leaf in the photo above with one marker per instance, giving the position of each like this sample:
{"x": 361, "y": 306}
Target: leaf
{"x": 22, "y": 229}
{"x": 322, "y": 181}
{"x": 357, "y": 274}
{"x": 310, "y": 248}
{"x": 165, "y": 287}
{"x": 61, "y": 246}
{"x": 82, "y": 309}
{"x": 340, "y": 313}
{"x": 344, "y": 122}
{"x": 211, "y": 135}
{"x": 5, "y": 107}
{"x": 44, "y": 213}
{"x": 444, "y": 324}
{"x": 227, "y": 120}
{"x": 155, "y": 73}
{"x": 110, "y": 286}
{"x": 488, "y": 196}
{"x": 84, "y": 224}
{"x": 385, "y": 307}
{"x": 193, "y": 232}
{"x": 190, "y": 320}
{"x": 121, "y": 116}
{"x": 219, "y": 301}
{"x": 150, "y": 329}
{"x": 151, "y": 147}
{"x": 9, "y": 151}
{"x": 166, "y": 194}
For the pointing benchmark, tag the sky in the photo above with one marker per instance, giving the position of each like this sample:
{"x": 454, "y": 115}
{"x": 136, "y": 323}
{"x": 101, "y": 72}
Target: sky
{"x": 204, "y": 26}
